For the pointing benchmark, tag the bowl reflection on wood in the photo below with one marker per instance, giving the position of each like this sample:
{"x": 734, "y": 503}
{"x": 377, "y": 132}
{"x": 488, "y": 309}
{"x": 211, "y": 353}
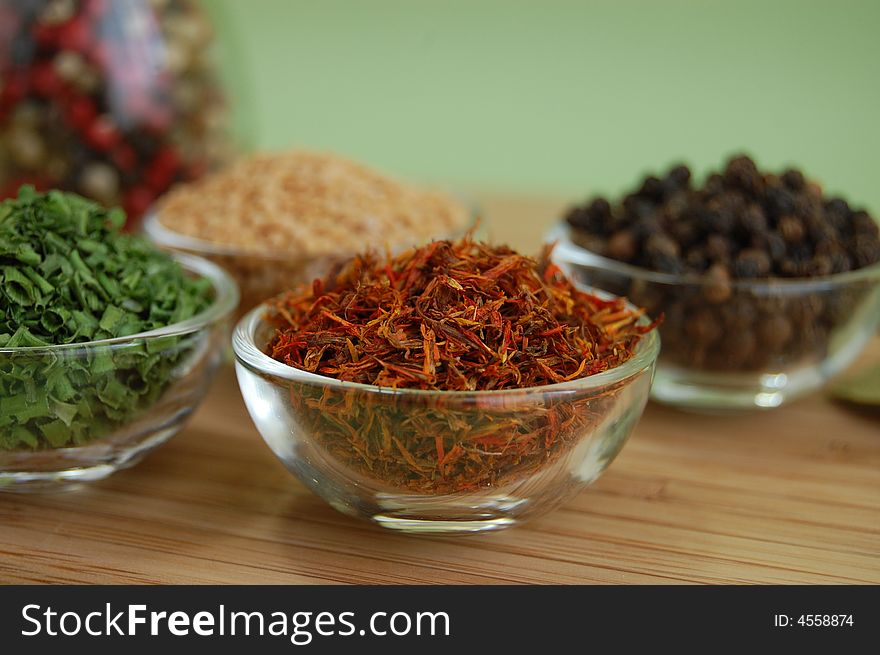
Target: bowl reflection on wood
{"x": 440, "y": 461}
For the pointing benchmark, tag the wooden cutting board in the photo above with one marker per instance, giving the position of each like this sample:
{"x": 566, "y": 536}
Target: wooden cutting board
{"x": 791, "y": 495}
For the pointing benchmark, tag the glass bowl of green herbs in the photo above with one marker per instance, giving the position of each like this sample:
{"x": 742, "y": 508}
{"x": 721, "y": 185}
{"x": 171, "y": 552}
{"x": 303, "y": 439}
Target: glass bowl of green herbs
{"x": 107, "y": 345}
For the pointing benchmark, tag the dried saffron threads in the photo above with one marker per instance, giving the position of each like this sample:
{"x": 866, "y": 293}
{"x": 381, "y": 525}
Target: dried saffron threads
{"x": 452, "y": 316}
{"x": 449, "y": 316}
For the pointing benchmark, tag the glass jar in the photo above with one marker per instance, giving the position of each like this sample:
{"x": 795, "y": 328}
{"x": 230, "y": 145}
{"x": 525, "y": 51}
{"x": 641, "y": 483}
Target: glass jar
{"x": 114, "y": 100}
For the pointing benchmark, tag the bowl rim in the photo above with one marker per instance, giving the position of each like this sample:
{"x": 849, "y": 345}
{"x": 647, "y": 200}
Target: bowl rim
{"x": 225, "y": 301}
{"x": 165, "y": 237}
{"x": 248, "y": 354}
{"x": 566, "y": 251}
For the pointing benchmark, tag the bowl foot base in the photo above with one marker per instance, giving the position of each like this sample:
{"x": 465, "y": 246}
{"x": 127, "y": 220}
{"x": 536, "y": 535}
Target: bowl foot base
{"x": 69, "y": 480}
{"x": 73, "y": 477}
{"x": 721, "y": 394}
{"x": 433, "y": 527}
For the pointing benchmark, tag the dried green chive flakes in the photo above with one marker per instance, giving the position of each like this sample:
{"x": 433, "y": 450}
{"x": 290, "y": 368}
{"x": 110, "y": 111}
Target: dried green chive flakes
{"x": 68, "y": 275}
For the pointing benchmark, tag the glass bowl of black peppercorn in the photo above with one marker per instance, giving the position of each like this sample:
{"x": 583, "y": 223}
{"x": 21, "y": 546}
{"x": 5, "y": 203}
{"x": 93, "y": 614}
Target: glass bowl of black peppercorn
{"x": 768, "y": 287}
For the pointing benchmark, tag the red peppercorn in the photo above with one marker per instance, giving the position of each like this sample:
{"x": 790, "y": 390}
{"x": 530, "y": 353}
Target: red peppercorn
{"x": 75, "y": 35}
{"x": 39, "y": 182}
{"x": 85, "y": 92}
{"x": 137, "y": 201}
{"x": 44, "y": 80}
{"x": 124, "y": 157}
{"x": 15, "y": 85}
{"x": 102, "y": 133}
{"x": 81, "y": 112}
{"x": 45, "y": 35}
{"x": 161, "y": 170}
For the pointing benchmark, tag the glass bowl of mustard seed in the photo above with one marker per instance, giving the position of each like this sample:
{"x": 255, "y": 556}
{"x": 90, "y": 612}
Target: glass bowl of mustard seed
{"x": 768, "y": 288}
{"x": 454, "y": 388}
{"x": 107, "y": 344}
{"x": 276, "y": 219}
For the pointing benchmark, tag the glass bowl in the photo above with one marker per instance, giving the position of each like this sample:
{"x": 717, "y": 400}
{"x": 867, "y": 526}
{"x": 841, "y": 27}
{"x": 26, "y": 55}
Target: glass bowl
{"x": 167, "y": 370}
{"x": 739, "y": 344}
{"x": 261, "y": 274}
{"x": 258, "y": 274}
{"x": 440, "y": 461}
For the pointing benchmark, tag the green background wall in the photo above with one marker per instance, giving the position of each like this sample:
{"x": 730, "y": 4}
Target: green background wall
{"x": 561, "y": 98}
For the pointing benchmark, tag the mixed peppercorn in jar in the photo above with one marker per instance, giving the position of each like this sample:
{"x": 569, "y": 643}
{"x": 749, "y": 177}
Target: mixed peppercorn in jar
{"x": 114, "y": 100}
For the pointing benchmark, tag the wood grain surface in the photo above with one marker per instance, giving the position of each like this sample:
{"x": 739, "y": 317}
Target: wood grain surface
{"x": 787, "y": 496}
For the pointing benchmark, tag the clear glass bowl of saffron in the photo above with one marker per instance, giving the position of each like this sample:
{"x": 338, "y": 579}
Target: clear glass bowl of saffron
{"x": 744, "y": 343}
{"x": 440, "y": 461}
{"x": 136, "y": 392}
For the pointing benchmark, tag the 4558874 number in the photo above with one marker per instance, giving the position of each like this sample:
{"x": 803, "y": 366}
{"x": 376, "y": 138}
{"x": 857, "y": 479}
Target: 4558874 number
{"x": 825, "y": 620}
{"x": 814, "y": 620}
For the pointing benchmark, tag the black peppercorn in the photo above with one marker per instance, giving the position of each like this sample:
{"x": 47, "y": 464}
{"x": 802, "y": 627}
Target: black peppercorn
{"x": 666, "y": 263}
{"x": 753, "y": 220}
{"x": 865, "y": 249}
{"x": 686, "y": 233}
{"x": 752, "y": 262}
{"x": 741, "y": 209}
{"x": 837, "y": 214}
{"x": 622, "y": 246}
{"x": 774, "y": 331}
{"x": 809, "y": 208}
{"x": 662, "y": 244}
{"x": 821, "y": 265}
{"x": 714, "y": 185}
{"x": 779, "y": 201}
{"x": 862, "y": 223}
{"x": 739, "y": 224}
{"x": 652, "y": 189}
{"x": 720, "y": 220}
{"x": 838, "y": 206}
{"x": 718, "y": 247}
{"x": 717, "y": 284}
{"x": 703, "y": 327}
{"x": 594, "y": 218}
{"x": 637, "y": 208}
{"x": 791, "y": 228}
{"x": 741, "y": 312}
{"x": 696, "y": 260}
{"x": 679, "y": 176}
{"x": 840, "y": 262}
{"x": 775, "y": 245}
{"x": 741, "y": 173}
{"x": 676, "y": 207}
{"x": 793, "y": 179}
{"x": 738, "y": 347}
